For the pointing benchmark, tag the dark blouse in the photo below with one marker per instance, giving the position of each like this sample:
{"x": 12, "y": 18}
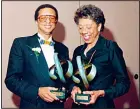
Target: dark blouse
{"x": 108, "y": 59}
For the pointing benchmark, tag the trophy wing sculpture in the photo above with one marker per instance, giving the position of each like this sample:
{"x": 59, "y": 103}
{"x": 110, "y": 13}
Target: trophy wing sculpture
{"x": 83, "y": 77}
{"x": 61, "y": 72}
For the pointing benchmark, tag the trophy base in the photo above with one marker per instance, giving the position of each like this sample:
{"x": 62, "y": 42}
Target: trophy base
{"x": 59, "y": 94}
{"x": 82, "y": 98}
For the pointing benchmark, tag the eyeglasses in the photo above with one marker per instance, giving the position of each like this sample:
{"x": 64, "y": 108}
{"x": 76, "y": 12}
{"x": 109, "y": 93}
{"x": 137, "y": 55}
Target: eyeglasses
{"x": 43, "y": 18}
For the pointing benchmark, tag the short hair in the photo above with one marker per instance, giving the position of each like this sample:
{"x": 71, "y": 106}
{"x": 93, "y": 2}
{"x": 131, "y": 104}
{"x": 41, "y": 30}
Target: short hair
{"x": 92, "y": 12}
{"x": 45, "y": 6}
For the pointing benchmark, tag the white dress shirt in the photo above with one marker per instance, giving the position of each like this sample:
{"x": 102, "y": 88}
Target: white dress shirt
{"x": 48, "y": 51}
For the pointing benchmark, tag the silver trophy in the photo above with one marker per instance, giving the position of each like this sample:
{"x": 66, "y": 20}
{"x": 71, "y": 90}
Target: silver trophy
{"x": 83, "y": 76}
{"x": 61, "y": 73}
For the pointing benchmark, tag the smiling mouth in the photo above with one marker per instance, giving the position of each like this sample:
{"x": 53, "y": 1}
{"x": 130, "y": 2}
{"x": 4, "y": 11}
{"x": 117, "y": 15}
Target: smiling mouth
{"x": 48, "y": 26}
{"x": 86, "y": 37}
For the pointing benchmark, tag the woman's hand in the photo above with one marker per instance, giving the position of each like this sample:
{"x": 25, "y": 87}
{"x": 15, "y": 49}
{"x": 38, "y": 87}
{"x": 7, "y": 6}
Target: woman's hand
{"x": 94, "y": 96}
{"x": 74, "y": 91}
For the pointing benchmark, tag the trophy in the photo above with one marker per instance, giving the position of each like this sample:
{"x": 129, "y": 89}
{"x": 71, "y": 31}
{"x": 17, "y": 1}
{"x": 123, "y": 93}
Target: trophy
{"x": 60, "y": 72}
{"x": 83, "y": 76}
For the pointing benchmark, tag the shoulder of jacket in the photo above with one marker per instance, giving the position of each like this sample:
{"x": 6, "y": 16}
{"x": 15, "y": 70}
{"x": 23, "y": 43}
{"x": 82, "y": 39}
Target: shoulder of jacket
{"x": 77, "y": 49}
{"x": 61, "y": 45}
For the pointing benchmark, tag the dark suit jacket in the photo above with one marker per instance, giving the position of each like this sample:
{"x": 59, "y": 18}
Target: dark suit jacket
{"x": 26, "y": 74}
{"x": 110, "y": 66}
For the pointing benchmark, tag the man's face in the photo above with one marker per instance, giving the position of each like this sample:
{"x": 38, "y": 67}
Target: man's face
{"x": 88, "y": 30}
{"x": 46, "y": 21}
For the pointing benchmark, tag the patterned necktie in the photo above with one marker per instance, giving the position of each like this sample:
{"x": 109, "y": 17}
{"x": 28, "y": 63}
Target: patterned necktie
{"x": 41, "y": 41}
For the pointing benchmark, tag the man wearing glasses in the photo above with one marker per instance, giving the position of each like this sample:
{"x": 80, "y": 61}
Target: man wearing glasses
{"x": 30, "y": 59}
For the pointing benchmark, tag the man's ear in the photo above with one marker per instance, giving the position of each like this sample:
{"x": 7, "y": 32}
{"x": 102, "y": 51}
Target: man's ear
{"x": 99, "y": 27}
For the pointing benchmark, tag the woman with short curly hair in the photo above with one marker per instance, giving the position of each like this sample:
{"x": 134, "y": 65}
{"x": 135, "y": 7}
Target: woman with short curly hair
{"x": 111, "y": 79}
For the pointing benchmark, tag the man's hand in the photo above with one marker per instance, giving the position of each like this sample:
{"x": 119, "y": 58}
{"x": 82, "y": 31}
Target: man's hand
{"x": 46, "y": 95}
{"x": 94, "y": 96}
{"x": 74, "y": 91}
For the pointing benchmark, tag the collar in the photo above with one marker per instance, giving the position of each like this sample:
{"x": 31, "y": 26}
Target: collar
{"x": 99, "y": 44}
{"x": 41, "y": 37}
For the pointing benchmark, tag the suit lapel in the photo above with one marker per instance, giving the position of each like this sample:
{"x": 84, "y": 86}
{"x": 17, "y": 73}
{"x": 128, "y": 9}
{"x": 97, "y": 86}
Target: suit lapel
{"x": 39, "y": 63}
{"x": 58, "y": 49}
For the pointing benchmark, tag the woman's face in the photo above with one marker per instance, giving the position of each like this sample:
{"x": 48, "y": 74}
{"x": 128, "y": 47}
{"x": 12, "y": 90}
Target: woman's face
{"x": 88, "y": 30}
